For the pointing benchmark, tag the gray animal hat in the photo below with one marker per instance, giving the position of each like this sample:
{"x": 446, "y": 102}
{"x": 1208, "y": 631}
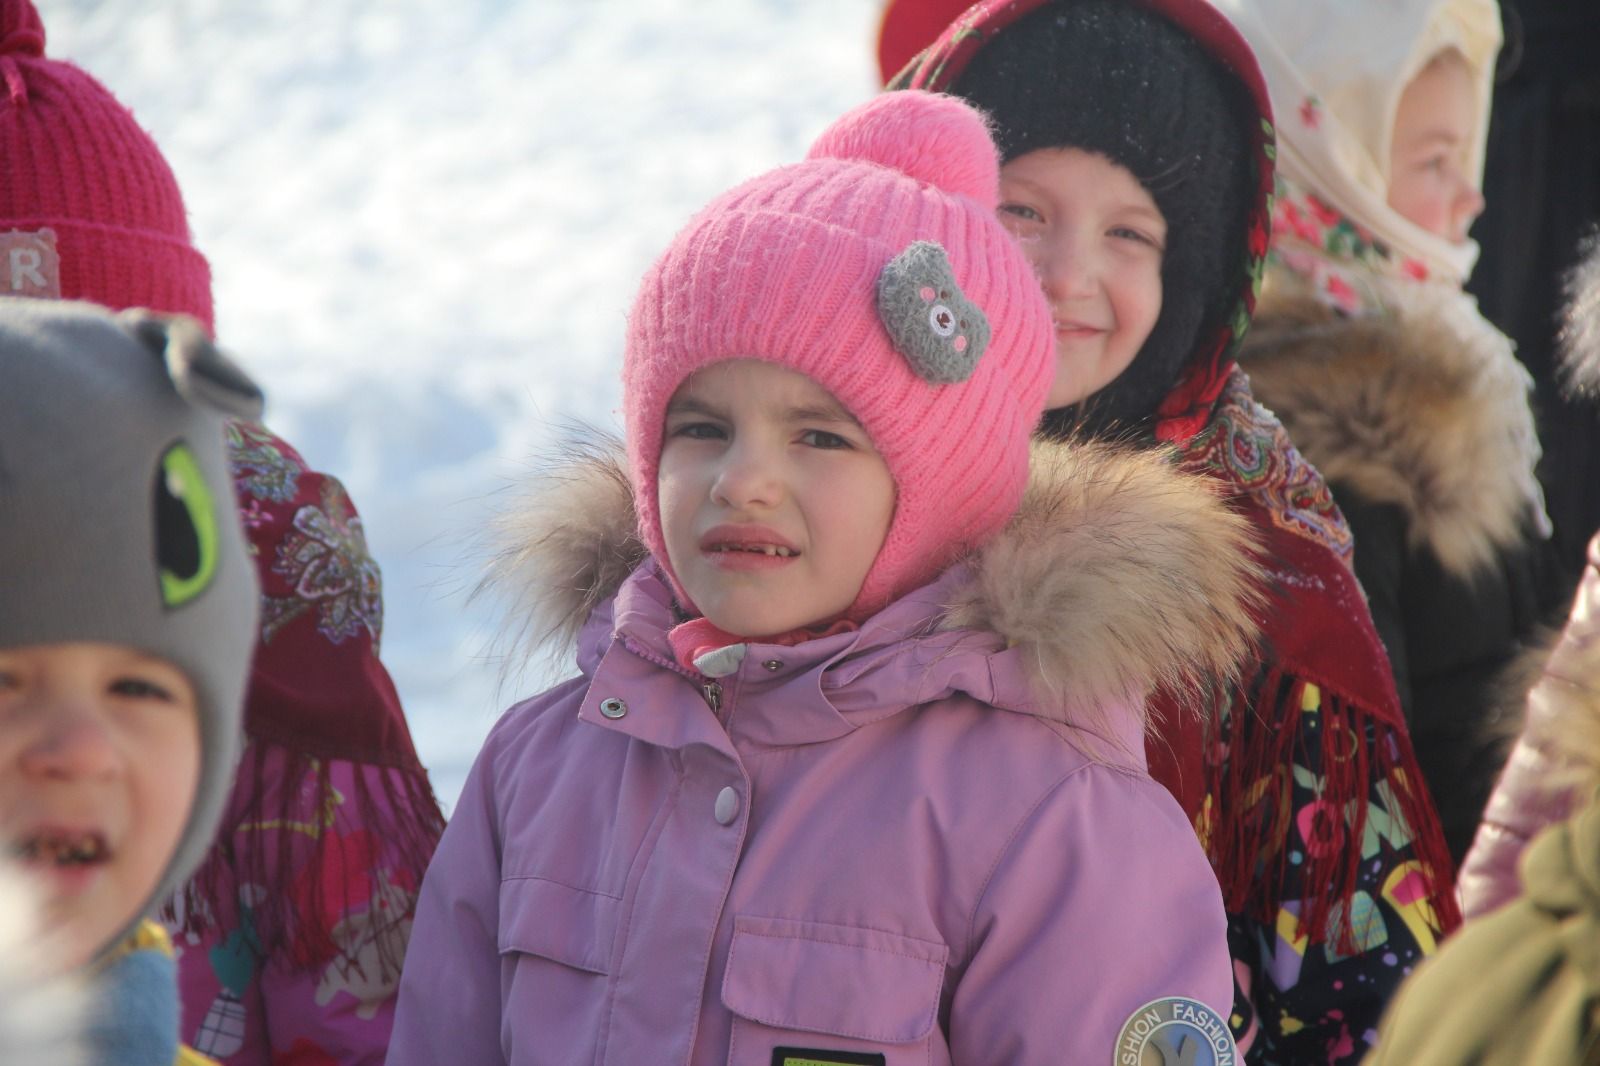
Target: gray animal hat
{"x": 117, "y": 517}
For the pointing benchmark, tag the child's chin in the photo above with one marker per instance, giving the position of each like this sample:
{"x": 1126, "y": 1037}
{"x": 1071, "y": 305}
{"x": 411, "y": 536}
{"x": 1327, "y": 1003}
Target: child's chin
{"x": 81, "y": 918}
{"x": 72, "y": 939}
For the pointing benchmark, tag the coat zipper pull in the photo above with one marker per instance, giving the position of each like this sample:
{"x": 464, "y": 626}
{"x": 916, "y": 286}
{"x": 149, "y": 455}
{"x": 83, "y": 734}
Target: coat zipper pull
{"x": 713, "y": 691}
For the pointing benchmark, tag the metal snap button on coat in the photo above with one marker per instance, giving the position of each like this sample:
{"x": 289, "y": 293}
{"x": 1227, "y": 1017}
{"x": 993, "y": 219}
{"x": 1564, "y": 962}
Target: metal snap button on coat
{"x": 727, "y": 808}
{"x": 613, "y": 708}
{"x": 774, "y": 665}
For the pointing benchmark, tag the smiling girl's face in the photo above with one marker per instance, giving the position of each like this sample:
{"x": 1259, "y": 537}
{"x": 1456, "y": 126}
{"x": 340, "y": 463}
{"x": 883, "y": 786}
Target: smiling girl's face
{"x": 1096, "y": 239}
{"x": 1434, "y": 127}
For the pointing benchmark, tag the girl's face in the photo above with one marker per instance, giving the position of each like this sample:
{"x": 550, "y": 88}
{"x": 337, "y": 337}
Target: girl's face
{"x": 1096, "y": 240}
{"x": 773, "y": 500}
{"x": 1428, "y": 165}
{"x": 99, "y": 762}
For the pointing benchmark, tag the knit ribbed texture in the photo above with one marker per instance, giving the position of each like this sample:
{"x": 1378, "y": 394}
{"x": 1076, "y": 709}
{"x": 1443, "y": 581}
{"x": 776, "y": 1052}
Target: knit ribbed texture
{"x": 785, "y": 269}
{"x": 75, "y": 162}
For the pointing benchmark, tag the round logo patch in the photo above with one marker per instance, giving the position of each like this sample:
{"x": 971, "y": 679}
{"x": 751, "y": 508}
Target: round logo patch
{"x": 1176, "y": 1031}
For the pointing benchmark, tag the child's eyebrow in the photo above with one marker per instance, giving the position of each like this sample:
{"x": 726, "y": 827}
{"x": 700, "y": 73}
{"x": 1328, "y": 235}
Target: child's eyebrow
{"x": 691, "y": 405}
{"x": 1144, "y": 211}
{"x": 832, "y": 412}
{"x": 1428, "y": 138}
{"x": 823, "y": 413}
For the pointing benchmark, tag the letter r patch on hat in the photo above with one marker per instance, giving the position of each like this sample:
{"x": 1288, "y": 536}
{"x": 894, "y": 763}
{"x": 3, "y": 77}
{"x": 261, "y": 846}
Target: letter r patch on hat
{"x": 29, "y": 265}
{"x": 808, "y": 1056}
{"x": 941, "y": 333}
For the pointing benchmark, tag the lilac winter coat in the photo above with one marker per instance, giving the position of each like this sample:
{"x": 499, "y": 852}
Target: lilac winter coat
{"x": 897, "y": 841}
{"x": 1554, "y": 769}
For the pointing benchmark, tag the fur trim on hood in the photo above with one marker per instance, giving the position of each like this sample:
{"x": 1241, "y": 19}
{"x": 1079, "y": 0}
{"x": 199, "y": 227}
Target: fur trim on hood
{"x": 1119, "y": 573}
{"x": 1580, "y": 326}
{"x": 1425, "y": 407}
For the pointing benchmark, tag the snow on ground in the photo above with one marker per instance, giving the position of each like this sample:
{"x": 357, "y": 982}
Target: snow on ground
{"x": 426, "y": 219}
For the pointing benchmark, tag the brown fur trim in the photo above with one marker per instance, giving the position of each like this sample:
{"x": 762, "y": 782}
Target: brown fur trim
{"x": 1508, "y": 692}
{"x": 1118, "y": 575}
{"x": 1415, "y": 408}
{"x": 1580, "y": 325}
{"x": 563, "y": 550}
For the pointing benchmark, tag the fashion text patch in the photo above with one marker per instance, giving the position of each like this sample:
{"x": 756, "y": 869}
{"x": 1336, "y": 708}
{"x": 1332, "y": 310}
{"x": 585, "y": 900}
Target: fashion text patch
{"x": 1176, "y": 1030}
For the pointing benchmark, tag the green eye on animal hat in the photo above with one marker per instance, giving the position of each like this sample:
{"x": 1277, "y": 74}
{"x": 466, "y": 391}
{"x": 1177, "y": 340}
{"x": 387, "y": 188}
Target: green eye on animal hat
{"x": 186, "y": 527}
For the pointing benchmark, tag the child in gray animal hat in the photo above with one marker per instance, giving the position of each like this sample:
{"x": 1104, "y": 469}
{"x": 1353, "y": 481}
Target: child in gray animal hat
{"x": 126, "y": 629}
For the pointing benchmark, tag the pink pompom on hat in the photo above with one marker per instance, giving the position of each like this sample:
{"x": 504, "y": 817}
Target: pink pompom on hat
{"x": 89, "y": 208}
{"x": 876, "y": 267}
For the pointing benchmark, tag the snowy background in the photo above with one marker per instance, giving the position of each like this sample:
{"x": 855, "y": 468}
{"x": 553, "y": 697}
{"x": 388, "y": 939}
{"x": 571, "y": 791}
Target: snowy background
{"x": 426, "y": 219}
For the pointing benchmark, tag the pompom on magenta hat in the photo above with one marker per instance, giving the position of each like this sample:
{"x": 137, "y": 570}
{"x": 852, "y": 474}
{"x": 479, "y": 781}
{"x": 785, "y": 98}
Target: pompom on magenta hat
{"x": 876, "y": 267}
{"x": 89, "y": 208}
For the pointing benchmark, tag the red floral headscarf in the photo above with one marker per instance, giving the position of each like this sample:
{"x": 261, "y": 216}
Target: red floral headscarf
{"x": 318, "y": 693}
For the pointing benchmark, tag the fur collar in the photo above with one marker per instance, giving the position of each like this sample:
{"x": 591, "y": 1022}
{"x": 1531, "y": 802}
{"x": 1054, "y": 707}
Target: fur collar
{"x": 1580, "y": 325}
{"x": 1424, "y": 407}
{"x": 1119, "y": 572}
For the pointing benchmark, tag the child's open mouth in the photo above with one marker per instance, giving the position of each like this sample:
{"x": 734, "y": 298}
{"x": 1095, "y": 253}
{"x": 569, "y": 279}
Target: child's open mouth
{"x": 757, "y": 549}
{"x": 62, "y": 850}
{"x": 740, "y": 546}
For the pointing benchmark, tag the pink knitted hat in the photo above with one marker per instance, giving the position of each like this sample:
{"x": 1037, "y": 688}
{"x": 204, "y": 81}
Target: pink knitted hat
{"x": 89, "y": 209}
{"x": 876, "y": 268}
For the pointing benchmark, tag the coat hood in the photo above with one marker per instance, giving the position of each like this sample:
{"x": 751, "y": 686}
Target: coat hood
{"x": 1118, "y": 575}
{"x": 1188, "y": 403}
{"x": 1424, "y": 407}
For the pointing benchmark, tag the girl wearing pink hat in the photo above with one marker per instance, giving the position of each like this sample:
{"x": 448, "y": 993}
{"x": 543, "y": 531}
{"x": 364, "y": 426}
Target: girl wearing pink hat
{"x": 833, "y": 784}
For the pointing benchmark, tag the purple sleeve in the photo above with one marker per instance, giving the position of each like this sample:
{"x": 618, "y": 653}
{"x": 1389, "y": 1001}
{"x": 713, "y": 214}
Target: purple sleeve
{"x": 1102, "y": 902}
{"x": 450, "y": 998}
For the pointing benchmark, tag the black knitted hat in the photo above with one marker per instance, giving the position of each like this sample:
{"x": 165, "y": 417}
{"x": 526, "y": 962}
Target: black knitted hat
{"x": 1110, "y": 77}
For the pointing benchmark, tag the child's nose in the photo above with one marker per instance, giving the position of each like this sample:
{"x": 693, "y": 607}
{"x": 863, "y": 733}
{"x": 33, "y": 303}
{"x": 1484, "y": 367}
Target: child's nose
{"x": 748, "y": 477}
{"x": 1064, "y": 267}
{"x": 1469, "y": 205}
{"x": 70, "y": 744}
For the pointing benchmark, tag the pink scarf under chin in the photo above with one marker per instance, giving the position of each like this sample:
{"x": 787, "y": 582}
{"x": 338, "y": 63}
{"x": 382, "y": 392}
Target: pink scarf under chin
{"x": 696, "y": 637}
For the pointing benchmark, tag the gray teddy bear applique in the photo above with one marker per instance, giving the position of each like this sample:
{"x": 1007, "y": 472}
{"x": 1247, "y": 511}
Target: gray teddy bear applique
{"x": 941, "y": 333}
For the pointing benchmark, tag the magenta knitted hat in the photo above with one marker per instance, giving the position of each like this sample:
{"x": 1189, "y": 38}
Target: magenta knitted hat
{"x": 89, "y": 209}
{"x": 876, "y": 268}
